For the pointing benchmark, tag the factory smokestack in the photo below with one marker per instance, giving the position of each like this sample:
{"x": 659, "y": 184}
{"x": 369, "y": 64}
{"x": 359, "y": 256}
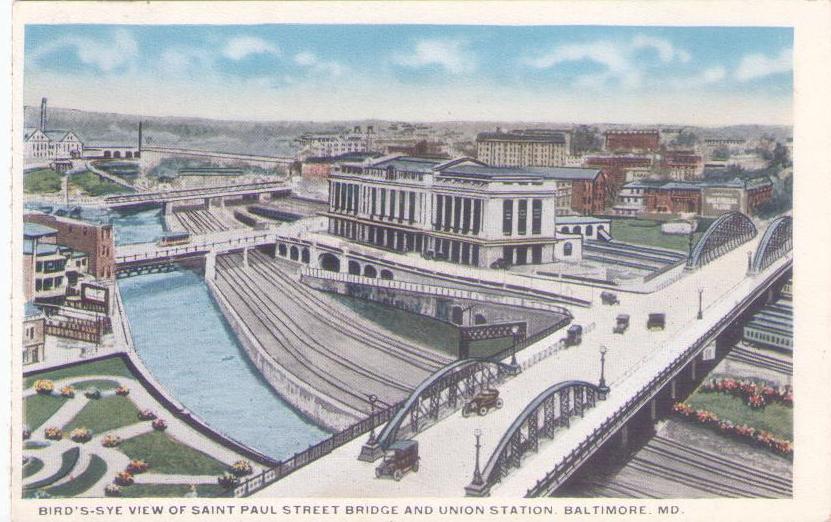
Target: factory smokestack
{"x": 43, "y": 114}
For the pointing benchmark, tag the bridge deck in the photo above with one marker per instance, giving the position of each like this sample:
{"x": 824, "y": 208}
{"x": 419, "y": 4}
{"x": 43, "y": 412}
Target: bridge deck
{"x": 632, "y": 360}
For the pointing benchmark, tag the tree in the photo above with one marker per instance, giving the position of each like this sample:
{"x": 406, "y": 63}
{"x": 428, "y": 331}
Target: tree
{"x": 685, "y": 138}
{"x": 585, "y": 139}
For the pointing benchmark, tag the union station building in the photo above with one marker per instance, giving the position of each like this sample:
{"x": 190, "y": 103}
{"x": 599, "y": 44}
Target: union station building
{"x": 460, "y": 210}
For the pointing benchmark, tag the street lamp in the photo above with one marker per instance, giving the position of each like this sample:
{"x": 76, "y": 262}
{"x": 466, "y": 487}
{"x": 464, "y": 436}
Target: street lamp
{"x": 749, "y": 262}
{"x": 514, "y": 332}
{"x": 372, "y": 400}
{"x": 700, "y": 311}
{"x": 477, "y": 473}
{"x": 602, "y": 384}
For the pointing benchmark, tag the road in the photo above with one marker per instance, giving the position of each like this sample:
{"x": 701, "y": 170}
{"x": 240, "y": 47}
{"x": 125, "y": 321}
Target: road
{"x": 446, "y": 449}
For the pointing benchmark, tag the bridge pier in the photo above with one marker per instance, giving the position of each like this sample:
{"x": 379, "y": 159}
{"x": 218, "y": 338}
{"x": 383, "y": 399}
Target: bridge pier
{"x": 245, "y": 257}
{"x": 210, "y": 266}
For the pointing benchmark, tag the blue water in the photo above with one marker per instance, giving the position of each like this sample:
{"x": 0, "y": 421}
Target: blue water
{"x": 184, "y": 340}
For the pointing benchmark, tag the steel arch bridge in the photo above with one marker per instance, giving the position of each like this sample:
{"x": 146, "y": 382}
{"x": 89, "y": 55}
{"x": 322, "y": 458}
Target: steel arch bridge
{"x": 775, "y": 243}
{"x": 440, "y": 394}
{"x": 550, "y": 410}
{"x": 727, "y": 232}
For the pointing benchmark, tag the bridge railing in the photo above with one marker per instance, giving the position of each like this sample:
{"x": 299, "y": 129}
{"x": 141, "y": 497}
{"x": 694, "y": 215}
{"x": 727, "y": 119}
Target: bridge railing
{"x": 196, "y": 193}
{"x": 312, "y": 453}
{"x": 197, "y": 248}
{"x": 608, "y": 427}
{"x": 442, "y": 291}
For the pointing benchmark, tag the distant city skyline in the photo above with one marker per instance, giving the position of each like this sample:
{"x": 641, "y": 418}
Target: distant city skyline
{"x": 580, "y": 74}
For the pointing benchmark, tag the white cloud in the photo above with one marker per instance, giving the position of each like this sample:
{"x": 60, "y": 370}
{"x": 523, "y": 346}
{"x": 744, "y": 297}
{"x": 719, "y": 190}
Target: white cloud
{"x": 176, "y": 61}
{"x": 106, "y": 55}
{"x": 666, "y": 51}
{"x": 244, "y": 46}
{"x": 451, "y": 55}
{"x": 713, "y": 74}
{"x": 755, "y": 66}
{"x": 313, "y": 62}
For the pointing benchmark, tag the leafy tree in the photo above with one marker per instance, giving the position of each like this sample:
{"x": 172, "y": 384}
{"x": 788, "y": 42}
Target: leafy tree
{"x": 585, "y": 139}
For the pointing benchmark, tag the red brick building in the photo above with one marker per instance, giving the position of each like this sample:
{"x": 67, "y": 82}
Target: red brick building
{"x": 94, "y": 240}
{"x": 682, "y": 165}
{"x": 633, "y": 140}
{"x": 615, "y": 167}
{"x": 673, "y": 198}
{"x": 589, "y": 189}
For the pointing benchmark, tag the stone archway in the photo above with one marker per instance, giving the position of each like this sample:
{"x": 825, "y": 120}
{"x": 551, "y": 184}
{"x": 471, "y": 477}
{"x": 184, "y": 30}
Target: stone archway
{"x": 329, "y": 262}
{"x": 370, "y": 271}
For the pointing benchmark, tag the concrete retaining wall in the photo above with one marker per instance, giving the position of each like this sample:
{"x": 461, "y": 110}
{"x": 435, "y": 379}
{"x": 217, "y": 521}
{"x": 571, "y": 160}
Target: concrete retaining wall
{"x": 322, "y": 409}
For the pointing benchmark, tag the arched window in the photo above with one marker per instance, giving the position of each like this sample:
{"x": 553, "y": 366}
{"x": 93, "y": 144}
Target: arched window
{"x": 294, "y": 253}
{"x": 479, "y": 319}
{"x": 107, "y": 154}
{"x": 577, "y": 230}
{"x": 354, "y": 268}
{"x": 329, "y": 262}
{"x": 564, "y": 230}
{"x": 369, "y": 271}
{"x": 117, "y": 154}
{"x": 282, "y": 249}
{"x": 128, "y": 154}
{"x": 386, "y": 274}
{"x": 589, "y": 230}
{"x": 457, "y": 315}
{"x": 304, "y": 256}
{"x": 567, "y": 249}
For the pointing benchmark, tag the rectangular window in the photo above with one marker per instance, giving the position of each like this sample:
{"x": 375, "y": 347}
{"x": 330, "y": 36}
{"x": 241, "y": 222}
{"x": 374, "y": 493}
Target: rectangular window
{"x": 536, "y": 254}
{"x": 477, "y": 215}
{"x": 465, "y": 253}
{"x": 536, "y": 216}
{"x": 392, "y": 203}
{"x": 374, "y": 201}
{"x": 402, "y": 200}
{"x": 457, "y": 213}
{"x": 507, "y": 216}
{"x": 474, "y": 257}
{"x": 412, "y": 207}
{"x": 466, "y": 216}
{"x": 383, "y": 203}
{"x": 39, "y": 266}
{"x": 439, "y": 203}
{"x": 355, "y": 195}
{"x": 508, "y": 254}
{"x": 448, "y": 212}
{"x": 522, "y": 216}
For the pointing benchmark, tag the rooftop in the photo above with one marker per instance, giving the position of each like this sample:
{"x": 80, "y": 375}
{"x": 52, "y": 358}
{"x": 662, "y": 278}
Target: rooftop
{"x": 530, "y": 136}
{"x": 529, "y": 173}
{"x": 42, "y": 250}
{"x": 36, "y": 230}
{"x": 579, "y": 220}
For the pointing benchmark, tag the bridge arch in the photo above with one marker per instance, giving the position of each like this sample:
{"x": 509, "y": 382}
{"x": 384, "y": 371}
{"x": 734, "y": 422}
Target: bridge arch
{"x": 441, "y": 392}
{"x": 776, "y": 242}
{"x": 727, "y": 232}
{"x": 329, "y": 262}
{"x": 551, "y": 409}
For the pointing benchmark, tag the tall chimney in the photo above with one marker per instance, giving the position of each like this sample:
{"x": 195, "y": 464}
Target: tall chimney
{"x": 139, "y": 138}
{"x": 43, "y": 114}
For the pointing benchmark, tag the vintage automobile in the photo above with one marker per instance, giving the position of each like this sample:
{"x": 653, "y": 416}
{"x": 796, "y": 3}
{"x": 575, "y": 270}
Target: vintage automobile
{"x": 401, "y": 457}
{"x": 656, "y": 322}
{"x": 622, "y": 324}
{"x": 482, "y": 402}
{"x": 608, "y": 298}
{"x": 574, "y": 335}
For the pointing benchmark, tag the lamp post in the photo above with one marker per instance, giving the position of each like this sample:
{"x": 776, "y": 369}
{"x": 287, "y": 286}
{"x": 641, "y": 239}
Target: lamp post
{"x": 477, "y": 473}
{"x": 749, "y": 262}
{"x": 700, "y": 303}
{"x": 372, "y": 400}
{"x": 514, "y": 332}
{"x": 602, "y": 384}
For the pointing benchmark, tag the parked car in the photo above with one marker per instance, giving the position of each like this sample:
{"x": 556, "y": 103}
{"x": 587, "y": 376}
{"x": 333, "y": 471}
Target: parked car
{"x": 574, "y": 335}
{"x": 622, "y": 324}
{"x": 401, "y": 457}
{"x": 482, "y": 402}
{"x": 608, "y": 298}
{"x": 656, "y": 322}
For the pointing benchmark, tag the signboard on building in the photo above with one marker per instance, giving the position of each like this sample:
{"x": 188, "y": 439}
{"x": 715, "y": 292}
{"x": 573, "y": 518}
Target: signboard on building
{"x": 95, "y": 295}
{"x": 717, "y": 201}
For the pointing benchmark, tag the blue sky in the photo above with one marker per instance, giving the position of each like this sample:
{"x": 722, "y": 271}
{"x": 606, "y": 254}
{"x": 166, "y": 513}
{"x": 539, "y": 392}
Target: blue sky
{"x": 694, "y": 75}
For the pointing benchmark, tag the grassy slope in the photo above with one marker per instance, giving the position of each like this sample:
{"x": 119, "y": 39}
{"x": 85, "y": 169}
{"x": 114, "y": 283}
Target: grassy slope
{"x": 96, "y": 469}
{"x": 41, "y": 181}
{"x": 165, "y": 454}
{"x": 647, "y": 232}
{"x": 113, "y": 366}
{"x": 775, "y": 418}
{"x": 38, "y": 408}
{"x": 103, "y": 415}
{"x": 93, "y": 185}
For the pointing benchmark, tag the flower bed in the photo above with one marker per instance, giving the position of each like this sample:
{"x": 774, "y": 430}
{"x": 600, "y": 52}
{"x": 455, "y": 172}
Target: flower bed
{"x": 122, "y": 390}
{"x": 44, "y": 386}
{"x": 159, "y": 425}
{"x": 92, "y": 393}
{"x": 27, "y": 433}
{"x": 112, "y": 490}
{"x": 111, "y": 441}
{"x": 80, "y": 435}
{"x": 755, "y": 394}
{"x": 242, "y": 468}
{"x": 53, "y": 433}
{"x": 68, "y": 392}
{"x": 146, "y": 415}
{"x": 124, "y": 478}
{"x": 742, "y": 431}
{"x": 137, "y": 466}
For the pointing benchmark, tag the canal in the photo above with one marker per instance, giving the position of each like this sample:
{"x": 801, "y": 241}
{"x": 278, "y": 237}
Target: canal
{"x": 184, "y": 340}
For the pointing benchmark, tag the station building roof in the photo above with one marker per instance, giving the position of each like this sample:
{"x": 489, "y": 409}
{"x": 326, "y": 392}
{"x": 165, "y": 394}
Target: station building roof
{"x": 36, "y": 230}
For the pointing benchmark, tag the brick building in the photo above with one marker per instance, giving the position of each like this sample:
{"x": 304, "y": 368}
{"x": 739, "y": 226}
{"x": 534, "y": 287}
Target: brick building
{"x": 681, "y": 165}
{"x": 94, "y": 240}
{"x": 673, "y": 198}
{"x": 633, "y": 140}
{"x": 620, "y": 169}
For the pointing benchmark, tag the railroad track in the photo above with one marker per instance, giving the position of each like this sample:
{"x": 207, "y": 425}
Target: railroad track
{"x": 347, "y": 324}
{"x": 270, "y": 313}
{"x": 760, "y": 361}
{"x": 200, "y": 221}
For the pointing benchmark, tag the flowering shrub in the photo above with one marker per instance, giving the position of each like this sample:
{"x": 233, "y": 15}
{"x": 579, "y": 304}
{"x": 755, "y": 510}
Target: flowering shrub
{"x": 80, "y": 435}
{"x": 111, "y": 490}
{"x": 146, "y": 415}
{"x": 241, "y": 468}
{"x": 92, "y": 393}
{"x": 27, "y": 433}
{"x": 111, "y": 441}
{"x": 122, "y": 390}
{"x": 159, "y": 425}
{"x": 137, "y": 466}
{"x": 53, "y": 433}
{"x": 227, "y": 480}
{"x": 68, "y": 392}
{"x": 124, "y": 478}
{"x": 755, "y": 395}
{"x": 742, "y": 431}
{"x": 44, "y": 386}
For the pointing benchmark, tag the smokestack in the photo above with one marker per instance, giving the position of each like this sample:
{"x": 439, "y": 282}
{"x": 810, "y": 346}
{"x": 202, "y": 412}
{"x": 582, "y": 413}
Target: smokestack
{"x": 139, "y": 138}
{"x": 43, "y": 114}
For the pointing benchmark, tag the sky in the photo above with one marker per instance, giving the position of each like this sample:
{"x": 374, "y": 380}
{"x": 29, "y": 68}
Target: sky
{"x": 577, "y": 74}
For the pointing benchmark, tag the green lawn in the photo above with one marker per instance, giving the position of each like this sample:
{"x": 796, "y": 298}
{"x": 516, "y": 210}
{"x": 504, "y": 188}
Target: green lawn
{"x": 38, "y": 408}
{"x": 775, "y": 418}
{"x": 41, "y": 181}
{"x": 101, "y": 384}
{"x": 165, "y": 454}
{"x": 105, "y": 414}
{"x": 68, "y": 460}
{"x": 33, "y": 466}
{"x": 420, "y": 329}
{"x": 96, "y": 469}
{"x": 112, "y": 366}
{"x": 648, "y": 232}
{"x": 95, "y": 185}
{"x": 173, "y": 490}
